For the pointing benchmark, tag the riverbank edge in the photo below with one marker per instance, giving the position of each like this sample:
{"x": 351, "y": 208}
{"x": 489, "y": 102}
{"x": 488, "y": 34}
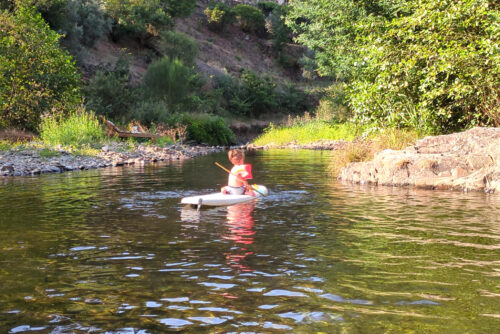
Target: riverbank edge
{"x": 32, "y": 161}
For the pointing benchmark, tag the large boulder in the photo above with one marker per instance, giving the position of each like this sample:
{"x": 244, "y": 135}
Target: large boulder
{"x": 467, "y": 161}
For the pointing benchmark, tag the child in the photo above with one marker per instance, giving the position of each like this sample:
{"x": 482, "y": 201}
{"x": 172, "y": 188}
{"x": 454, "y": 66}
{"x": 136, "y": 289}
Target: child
{"x": 237, "y": 184}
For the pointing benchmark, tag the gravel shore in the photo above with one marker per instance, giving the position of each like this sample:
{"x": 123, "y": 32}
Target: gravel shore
{"x": 33, "y": 161}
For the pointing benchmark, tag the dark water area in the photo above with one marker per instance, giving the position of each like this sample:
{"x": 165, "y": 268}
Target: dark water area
{"x": 113, "y": 251}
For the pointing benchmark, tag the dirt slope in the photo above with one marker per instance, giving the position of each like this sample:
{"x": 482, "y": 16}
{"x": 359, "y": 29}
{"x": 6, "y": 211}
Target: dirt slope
{"x": 227, "y": 52}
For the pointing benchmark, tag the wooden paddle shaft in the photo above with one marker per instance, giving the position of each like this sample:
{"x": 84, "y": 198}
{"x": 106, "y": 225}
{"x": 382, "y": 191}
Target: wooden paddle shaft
{"x": 227, "y": 170}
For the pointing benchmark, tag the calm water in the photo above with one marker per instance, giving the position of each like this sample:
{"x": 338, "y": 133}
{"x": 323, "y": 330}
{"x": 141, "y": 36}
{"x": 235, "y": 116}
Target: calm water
{"x": 113, "y": 251}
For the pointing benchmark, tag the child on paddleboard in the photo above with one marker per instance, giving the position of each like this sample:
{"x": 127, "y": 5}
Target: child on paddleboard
{"x": 237, "y": 183}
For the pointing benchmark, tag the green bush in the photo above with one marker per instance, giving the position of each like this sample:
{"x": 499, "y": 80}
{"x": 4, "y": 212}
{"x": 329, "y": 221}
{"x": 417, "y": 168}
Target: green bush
{"x": 252, "y": 95}
{"x": 436, "y": 70}
{"x": 109, "y": 93}
{"x": 151, "y": 112}
{"x": 204, "y": 128}
{"x": 250, "y": 19}
{"x": 308, "y": 65}
{"x": 267, "y": 6}
{"x": 171, "y": 81}
{"x": 276, "y": 27}
{"x": 260, "y": 93}
{"x": 36, "y": 76}
{"x": 78, "y": 129}
{"x": 139, "y": 18}
{"x": 219, "y": 16}
{"x": 178, "y": 8}
{"x": 293, "y": 101}
{"x": 86, "y": 22}
{"x": 180, "y": 46}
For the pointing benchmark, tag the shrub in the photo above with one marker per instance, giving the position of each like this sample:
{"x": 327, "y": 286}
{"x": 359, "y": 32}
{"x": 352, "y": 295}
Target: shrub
{"x": 150, "y": 112}
{"x": 139, "y": 18}
{"x": 435, "y": 70}
{"x": 171, "y": 81}
{"x": 250, "y": 19}
{"x": 276, "y": 27}
{"x": 260, "y": 92}
{"x": 108, "y": 92}
{"x": 204, "y": 128}
{"x": 293, "y": 100}
{"x": 219, "y": 16}
{"x": 308, "y": 65}
{"x": 180, "y": 46}
{"x": 333, "y": 105}
{"x": 78, "y": 129}
{"x": 267, "y": 6}
{"x": 86, "y": 22}
{"x": 178, "y": 8}
{"x": 36, "y": 76}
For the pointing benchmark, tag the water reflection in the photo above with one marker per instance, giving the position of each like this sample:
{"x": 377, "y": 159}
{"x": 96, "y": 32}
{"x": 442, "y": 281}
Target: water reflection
{"x": 240, "y": 230}
{"x": 113, "y": 251}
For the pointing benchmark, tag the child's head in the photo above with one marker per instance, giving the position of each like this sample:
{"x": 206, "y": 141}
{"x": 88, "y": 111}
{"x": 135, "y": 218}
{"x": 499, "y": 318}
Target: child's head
{"x": 237, "y": 157}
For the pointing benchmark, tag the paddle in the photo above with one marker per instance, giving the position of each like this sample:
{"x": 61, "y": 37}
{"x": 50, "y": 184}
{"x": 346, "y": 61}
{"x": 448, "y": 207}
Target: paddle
{"x": 239, "y": 177}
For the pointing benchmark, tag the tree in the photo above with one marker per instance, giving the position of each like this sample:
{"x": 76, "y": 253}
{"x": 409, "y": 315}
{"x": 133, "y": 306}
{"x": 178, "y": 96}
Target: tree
{"x": 426, "y": 64}
{"x": 169, "y": 80}
{"x": 36, "y": 76}
{"x": 331, "y": 29}
{"x": 436, "y": 69}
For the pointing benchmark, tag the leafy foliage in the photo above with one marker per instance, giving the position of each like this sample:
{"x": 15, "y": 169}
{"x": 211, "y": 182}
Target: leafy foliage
{"x": 260, "y": 92}
{"x": 219, "y": 16}
{"x": 180, "y": 46}
{"x": 178, "y": 8}
{"x": 146, "y": 17}
{"x": 36, "y": 76}
{"x": 204, "y": 128}
{"x": 267, "y": 6}
{"x": 250, "y": 19}
{"x": 151, "y": 112}
{"x": 109, "y": 93}
{"x": 276, "y": 27}
{"x": 86, "y": 22}
{"x": 138, "y": 17}
{"x": 171, "y": 81}
{"x": 430, "y": 64}
{"x": 437, "y": 70}
{"x": 331, "y": 29}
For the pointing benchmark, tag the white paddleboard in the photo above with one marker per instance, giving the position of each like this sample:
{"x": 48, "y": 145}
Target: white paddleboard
{"x": 219, "y": 199}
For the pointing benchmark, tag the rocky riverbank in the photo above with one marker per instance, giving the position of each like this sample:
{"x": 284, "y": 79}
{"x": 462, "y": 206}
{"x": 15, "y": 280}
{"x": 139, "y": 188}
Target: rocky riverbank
{"x": 466, "y": 161}
{"x": 31, "y": 161}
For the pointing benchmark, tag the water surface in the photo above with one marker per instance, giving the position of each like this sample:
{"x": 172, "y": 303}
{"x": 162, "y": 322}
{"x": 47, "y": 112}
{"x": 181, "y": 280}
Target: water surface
{"x": 113, "y": 251}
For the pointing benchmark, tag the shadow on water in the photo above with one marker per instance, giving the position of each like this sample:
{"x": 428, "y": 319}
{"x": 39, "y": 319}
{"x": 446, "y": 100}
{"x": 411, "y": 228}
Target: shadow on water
{"x": 114, "y": 251}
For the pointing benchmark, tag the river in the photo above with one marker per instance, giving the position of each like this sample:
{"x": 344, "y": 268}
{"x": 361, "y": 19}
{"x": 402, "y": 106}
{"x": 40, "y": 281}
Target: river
{"x": 113, "y": 251}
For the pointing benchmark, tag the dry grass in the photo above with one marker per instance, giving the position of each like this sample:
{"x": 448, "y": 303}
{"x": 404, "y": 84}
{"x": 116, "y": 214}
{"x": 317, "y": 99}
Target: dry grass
{"x": 14, "y": 135}
{"x": 361, "y": 150}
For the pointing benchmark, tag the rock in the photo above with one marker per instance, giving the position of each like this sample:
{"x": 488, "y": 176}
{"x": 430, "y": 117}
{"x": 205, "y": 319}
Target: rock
{"x": 467, "y": 161}
{"x": 7, "y": 168}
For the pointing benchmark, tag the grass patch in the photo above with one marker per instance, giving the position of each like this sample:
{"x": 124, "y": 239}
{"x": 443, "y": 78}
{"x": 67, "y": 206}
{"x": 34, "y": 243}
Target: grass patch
{"x": 6, "y": 145}
{"x": 364, "y": 149}
{"x": 78, "y": 129}
{"x": 308, "y": 132}
{"x": 48, "y": 153}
